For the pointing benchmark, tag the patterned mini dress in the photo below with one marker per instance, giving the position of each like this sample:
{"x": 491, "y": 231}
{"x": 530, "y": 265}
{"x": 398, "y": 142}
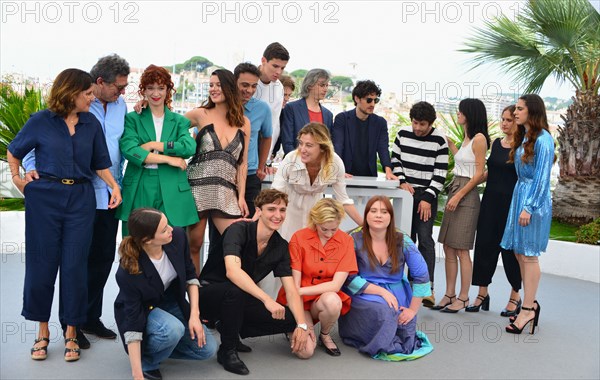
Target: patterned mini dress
{"x": 212, "y": 173}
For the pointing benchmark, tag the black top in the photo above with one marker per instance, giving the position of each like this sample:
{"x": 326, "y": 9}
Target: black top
{"x": 502, "y": 175}
{"x": 239, "y": 240}
{"x": 360, "y": 155}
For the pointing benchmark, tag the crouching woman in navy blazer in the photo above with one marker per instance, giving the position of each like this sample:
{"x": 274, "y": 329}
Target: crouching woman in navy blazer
{"x": 155, "y": 320}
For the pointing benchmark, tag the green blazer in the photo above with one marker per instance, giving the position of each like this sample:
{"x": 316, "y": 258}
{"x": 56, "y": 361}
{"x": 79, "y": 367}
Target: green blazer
{"x": 177, "y": 199}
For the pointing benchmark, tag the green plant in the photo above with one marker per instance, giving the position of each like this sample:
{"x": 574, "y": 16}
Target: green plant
{"x": 559, "y": 39}
{"x": 15, "y": 109}
{"x": 589, "y": 233}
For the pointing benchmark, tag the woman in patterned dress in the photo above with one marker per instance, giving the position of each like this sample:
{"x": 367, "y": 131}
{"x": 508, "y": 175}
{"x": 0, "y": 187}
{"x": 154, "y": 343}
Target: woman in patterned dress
{"x": 217, "y": 172}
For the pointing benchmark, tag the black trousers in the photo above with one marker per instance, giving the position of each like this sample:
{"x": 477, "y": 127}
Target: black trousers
{"x": 490, "y": 229}
{"x": 241, "y": 314}
{"x": 422, "y": 233}
{"x": 100, "y": 260}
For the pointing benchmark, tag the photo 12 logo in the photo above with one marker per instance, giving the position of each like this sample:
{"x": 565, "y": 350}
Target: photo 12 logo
{"x": 54, "y": 12}
{"x": 270, "y": 11}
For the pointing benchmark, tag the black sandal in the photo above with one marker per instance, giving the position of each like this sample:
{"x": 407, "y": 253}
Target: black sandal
{"x": 38, "y": 349}
{"x": 331, "y": 351}
{"x": 69, "y": 350}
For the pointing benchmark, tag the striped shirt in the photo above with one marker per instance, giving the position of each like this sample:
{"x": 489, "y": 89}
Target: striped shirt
{"x": 422, "y": 162}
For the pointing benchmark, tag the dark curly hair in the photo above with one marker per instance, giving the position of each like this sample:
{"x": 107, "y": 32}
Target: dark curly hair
{"x": 160, "y": 75}
{"x": 245, "y": 67}
{"x": 364, "y": 88}
{"x": 422, "y": 111}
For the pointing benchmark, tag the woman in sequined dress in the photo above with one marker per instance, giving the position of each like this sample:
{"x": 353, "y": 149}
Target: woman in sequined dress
{"x": 217, "y": 172}
{"x": 528, "y": 227}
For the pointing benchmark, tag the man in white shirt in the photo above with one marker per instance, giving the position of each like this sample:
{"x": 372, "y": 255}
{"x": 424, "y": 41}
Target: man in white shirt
{"x": 270, "y": 89}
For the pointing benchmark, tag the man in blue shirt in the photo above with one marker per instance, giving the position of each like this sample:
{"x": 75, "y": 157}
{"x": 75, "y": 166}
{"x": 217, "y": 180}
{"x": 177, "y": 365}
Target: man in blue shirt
{"x": 110, "y": 75}
{"x": 259, "y": 113}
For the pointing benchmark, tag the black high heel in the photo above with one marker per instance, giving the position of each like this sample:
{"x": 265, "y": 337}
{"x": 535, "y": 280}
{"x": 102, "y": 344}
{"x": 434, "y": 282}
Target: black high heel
{"x": 533, "y": 322}
{"x": 485, "y": 304}
{"x": 447, "y": 310}
{"x": 440, "y": 306}
{"x": 512, "y": 313}
{"x": 513, "y": 318}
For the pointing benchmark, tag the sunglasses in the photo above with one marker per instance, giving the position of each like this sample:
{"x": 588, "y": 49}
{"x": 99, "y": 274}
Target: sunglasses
{"x": 371, "y": 100}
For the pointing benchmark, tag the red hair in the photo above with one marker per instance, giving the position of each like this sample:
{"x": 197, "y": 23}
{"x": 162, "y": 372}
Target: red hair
{"x": 160, "y": 75}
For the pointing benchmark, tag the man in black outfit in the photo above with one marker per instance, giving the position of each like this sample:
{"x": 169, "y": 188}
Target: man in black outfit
{"x": 229, "y": 293}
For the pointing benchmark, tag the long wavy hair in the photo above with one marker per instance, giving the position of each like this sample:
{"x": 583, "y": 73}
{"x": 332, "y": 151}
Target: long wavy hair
{"x": 476, "y": 115}
{"x": 235, "y": 108}
{"x": 394, "y": 238}
{"x": 66, "y": 87}
{"x": 536, "y": 120}
{"x": 320, "y": 133}
{"x": 160, "y": 75}
{"x": 142, "y": 224}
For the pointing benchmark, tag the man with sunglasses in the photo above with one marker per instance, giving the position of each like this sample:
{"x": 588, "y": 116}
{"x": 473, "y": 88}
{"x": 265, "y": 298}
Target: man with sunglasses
{"x": 110, "y": 75}
{"x": 359, "y": 135}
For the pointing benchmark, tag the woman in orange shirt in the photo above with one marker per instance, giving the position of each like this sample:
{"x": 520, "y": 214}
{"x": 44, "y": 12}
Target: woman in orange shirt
{"x": 322, "y": 256}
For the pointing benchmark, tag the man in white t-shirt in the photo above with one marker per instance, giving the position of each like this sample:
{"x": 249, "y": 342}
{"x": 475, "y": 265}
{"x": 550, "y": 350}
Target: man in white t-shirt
{"x": 270, "y": 89}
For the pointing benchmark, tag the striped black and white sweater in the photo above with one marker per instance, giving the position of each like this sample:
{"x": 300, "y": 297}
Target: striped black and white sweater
{"x": 421, "y": 161}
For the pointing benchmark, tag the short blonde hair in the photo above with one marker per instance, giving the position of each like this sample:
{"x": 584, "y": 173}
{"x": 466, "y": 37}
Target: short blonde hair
{"x": 325, "y": 210}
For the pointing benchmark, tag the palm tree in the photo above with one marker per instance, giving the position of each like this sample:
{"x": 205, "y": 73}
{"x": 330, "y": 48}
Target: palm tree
{"x": 559, "y": 38}
{"x": 15, "y": 110}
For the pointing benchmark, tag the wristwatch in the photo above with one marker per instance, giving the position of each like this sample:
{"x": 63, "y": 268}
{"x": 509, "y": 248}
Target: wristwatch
{"x": 303, "y": 326}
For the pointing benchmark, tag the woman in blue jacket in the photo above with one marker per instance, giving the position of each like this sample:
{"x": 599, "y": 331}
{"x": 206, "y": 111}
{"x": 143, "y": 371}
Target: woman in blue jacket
{"x": 154, "y": 318}
{"x": 307, "y": 109}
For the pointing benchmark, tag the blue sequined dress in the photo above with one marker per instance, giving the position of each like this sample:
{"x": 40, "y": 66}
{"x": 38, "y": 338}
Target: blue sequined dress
{"x": 532, "y": 194}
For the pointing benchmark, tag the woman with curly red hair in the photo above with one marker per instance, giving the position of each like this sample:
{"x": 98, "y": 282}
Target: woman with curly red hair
{"x": 156, "y": 144}
{"x": 528, "y": 226}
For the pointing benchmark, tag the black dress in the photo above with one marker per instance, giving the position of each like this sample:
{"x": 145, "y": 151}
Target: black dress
{"x": 493, "y": 214}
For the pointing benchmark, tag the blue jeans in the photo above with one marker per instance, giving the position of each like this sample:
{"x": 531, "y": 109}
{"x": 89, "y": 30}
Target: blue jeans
{"x": 167, "y": 336}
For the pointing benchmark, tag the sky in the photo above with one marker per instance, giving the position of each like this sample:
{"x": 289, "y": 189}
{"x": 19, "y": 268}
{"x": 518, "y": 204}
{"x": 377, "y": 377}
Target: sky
{"x": 407, "y": 47}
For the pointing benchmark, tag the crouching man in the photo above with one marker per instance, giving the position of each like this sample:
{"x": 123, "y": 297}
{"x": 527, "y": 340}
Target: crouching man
{"x": 231, "y": 297}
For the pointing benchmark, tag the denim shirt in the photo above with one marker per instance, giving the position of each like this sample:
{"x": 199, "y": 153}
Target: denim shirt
{"x": 113, "y": 122}
{"x": 259, "y": 114}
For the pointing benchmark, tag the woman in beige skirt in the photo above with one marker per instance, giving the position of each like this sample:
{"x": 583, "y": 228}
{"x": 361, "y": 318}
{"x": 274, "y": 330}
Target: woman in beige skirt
{"x": 457, "y": 232}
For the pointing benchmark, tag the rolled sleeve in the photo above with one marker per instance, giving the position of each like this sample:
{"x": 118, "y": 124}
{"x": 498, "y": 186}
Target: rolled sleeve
{"x": 133, "y": 336}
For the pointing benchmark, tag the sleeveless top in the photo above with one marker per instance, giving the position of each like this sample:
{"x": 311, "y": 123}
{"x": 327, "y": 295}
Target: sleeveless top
{"x": 212, "y": 172}
{"x": 464, "y": 161}
{"x": 502, "y": 176}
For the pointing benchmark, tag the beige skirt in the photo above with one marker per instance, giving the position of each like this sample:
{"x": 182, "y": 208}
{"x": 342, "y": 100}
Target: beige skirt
{"x": 459, "y": 226}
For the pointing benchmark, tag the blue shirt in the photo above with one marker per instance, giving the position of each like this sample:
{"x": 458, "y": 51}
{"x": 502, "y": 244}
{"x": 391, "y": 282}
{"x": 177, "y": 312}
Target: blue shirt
{"x": 261, "y": 124}
{"x": 112, "y": 122}
{"x": 58, "y": 153}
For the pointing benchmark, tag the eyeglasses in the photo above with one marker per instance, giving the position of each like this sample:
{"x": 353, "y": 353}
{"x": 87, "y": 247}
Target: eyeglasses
{"x": 371, "y": 100}
{"x": 120, "y": 88}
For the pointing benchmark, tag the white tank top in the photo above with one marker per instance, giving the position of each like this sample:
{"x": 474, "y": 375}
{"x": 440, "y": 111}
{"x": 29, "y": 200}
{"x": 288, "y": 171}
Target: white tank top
{"x": 464, "y": 161}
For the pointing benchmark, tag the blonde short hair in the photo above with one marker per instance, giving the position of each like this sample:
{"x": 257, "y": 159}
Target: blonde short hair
{"x": 325, "y": 210}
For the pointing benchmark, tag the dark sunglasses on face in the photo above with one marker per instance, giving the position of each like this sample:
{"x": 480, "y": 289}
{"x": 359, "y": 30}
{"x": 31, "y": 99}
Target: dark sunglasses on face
{"x": 371, "y": 100}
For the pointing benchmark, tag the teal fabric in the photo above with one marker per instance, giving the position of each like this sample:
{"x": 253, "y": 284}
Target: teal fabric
{"x": 426, "y": 348}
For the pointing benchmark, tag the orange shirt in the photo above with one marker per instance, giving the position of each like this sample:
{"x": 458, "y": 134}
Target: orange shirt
{"x": 315, "y": 117}
{"x": 318, "y": 264}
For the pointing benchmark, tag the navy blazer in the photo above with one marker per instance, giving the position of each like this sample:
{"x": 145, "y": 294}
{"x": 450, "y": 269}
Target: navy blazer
{"x": 140, "y": 293}
{"x": 295, "y": 116}
{"x": 343, "y": 135}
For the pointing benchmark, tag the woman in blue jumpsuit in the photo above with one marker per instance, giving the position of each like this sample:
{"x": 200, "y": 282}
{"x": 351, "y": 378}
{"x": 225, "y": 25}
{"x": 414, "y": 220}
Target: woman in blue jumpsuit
{"x": 528, "y": 226}
{"x": 60, "y": 205}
